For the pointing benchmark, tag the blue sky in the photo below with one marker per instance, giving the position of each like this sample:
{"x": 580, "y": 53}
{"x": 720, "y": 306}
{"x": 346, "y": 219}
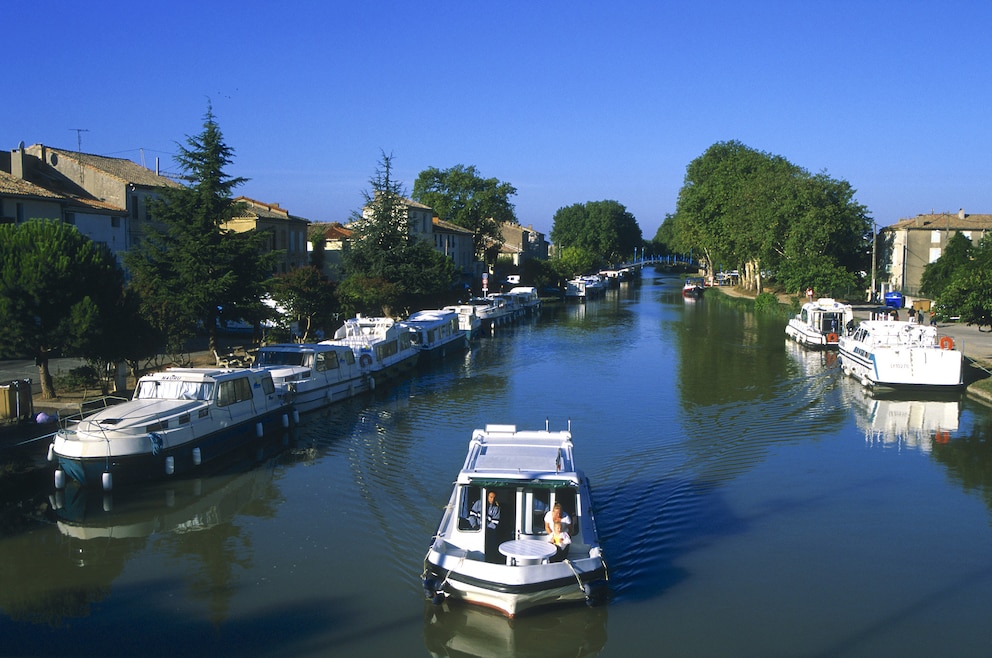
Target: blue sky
{"x": 567, "y": 101}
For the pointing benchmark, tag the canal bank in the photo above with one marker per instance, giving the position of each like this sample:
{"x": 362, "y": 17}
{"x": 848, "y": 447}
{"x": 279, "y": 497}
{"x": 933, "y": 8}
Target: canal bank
{"x": 975, "y": 345}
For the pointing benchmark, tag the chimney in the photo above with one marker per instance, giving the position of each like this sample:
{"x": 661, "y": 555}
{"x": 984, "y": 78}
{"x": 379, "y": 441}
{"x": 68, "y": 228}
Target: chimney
{"x": 961, "y": 213}
{"x": 17, "y": 162}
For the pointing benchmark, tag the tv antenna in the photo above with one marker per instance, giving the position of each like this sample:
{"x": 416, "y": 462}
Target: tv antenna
{"x": 79, "y": 138}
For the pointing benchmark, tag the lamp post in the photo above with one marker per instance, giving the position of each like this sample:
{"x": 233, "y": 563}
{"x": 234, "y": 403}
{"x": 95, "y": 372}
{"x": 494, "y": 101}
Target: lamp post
{"x": 874, "y": 238}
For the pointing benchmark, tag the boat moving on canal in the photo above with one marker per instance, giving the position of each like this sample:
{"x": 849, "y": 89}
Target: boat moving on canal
{"x": 313, "y": 375}
{"x": 901, "y": 355}
{"x": 820, "y": 324}
{"x": 178, "y": 421}
{"x": 492, "y": 547}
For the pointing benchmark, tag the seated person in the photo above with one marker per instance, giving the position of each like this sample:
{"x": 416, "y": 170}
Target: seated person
{"x": 561, "y": 539}
{"x": 556, "y": 514}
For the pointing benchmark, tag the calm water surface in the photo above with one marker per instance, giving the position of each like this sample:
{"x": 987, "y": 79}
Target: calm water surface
{"x": 751, "y": 501}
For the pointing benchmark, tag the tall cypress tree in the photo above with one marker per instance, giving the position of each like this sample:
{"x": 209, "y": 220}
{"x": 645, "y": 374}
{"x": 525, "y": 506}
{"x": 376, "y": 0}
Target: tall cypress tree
{"x": 191, "y": 266}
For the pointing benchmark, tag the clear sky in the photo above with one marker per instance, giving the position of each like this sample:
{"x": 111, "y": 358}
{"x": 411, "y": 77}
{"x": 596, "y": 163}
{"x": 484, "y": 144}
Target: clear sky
{"x": 567, "y": 101}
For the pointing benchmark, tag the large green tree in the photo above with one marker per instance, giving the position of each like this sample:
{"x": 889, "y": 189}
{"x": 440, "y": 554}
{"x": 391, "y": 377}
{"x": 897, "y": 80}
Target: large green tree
{"x": 461, "y": 196}
{"x": 754, "y": 211}
{"x": 939, "y": 274}
{"x": 604, "y": 229}
{"x": 60, "y": 292}
{"x": 386, "y": 268}
{"x": 308, "y": 296}
{"x": 968, "y": 293}
{"x": 190, "y": 267}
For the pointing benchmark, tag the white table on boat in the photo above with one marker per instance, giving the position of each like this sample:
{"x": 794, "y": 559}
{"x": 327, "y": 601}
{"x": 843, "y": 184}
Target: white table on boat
{"x": 526, "y": 551}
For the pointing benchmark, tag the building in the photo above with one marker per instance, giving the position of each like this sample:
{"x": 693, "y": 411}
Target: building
{"x": 284, "y": 232}
{"x": 458, "y": 244}
{"x": 521, "y": 243}
{"x": 336, "y": 241}
{"x": 919, "y": 241}
{"x": 107, "y": 199}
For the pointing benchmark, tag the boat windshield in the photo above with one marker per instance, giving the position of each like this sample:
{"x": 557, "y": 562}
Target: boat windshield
{"x": 277, "y": 358}
{"x": 174, "y": 390}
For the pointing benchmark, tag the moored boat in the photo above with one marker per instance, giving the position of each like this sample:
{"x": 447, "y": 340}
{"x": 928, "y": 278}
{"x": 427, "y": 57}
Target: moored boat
{"x": 901, "y": 354}
{"x": 435, "y": 333}
{"x": 502, "y": 557}
{"x": 313, "y": 375}
{"x": 820, "y": 323}
{"x": 178, "y": 421}
{"x": 383, "y": 347}
{"x": 468, "y": 319}
{"x": 693, "y": 288}
{"x": 527, "y": 298}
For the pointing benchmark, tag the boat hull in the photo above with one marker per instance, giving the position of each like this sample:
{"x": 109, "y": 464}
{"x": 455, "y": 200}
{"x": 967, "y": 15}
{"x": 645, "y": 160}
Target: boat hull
{"x": 901, "y": 355}
{"x": 514, "y": 589}
{"x": 185, "y": 458}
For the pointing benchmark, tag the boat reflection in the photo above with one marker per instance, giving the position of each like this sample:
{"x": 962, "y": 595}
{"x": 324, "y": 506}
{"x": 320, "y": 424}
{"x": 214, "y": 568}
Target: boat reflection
{"x": 907, "y": 421}
{"x": 454, "y": 629}
{"x": 812, "y": 363}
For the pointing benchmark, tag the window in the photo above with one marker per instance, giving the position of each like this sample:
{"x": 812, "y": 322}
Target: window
{"x": 70, "y": 218}
{"x": 468, "y": 497}
{"x": 115, "y": 222}
{"x": 934, "y": 254}
{"x": 235, "y": 390}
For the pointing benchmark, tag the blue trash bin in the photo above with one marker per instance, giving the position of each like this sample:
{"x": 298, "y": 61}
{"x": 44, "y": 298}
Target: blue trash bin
{"x": 894, "y": 299}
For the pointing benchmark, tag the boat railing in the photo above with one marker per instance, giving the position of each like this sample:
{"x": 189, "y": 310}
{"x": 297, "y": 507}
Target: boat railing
{"x": 87, "y": 408}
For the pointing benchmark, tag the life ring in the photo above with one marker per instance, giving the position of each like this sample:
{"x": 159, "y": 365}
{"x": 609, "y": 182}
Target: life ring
{"x": 946, "y": 343}
{"x": 365, "y": 360}
{"x": 832, "y": 337}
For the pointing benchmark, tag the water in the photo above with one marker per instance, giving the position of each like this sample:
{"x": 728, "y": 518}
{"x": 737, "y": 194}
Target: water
{"x": 751, "y": 500}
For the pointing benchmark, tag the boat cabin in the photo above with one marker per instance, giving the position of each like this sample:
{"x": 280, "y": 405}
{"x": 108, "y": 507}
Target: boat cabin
{"x": 529, "y": 472}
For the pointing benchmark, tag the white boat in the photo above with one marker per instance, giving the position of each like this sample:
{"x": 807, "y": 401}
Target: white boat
{"x": 820, "y": 323}
{"x": 468, "y": 319}
{"x": 595, "y": 286}
{"x": 511, "y": 307}
{"x": 575, "y": 289}
{"x": 383, "y": 347}
{"x": 693, "y": 288}
{"x": 511, "y": 567}
{"x": 313, "y": 374}
{"x": 527, "y": 298}
{"x": 435, "y": 333}
{"x": 177, "y": 421}
{"x": 492, "y": 311}
{"x": 900, "y": 354}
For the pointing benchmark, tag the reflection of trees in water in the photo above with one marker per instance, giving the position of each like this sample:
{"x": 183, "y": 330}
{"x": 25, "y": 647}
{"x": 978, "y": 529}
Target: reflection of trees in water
{"x": 51, "y": 573}
{"x": 968, "y": 459}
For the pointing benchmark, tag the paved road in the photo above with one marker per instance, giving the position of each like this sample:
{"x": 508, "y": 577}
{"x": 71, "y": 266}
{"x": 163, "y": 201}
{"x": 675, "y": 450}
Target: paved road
{"x": 26, "y": 369}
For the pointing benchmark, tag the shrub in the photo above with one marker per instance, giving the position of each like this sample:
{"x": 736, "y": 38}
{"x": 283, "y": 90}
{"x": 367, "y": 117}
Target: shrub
{"x": 77, "y": 379}
{"x": 766, "y": 302}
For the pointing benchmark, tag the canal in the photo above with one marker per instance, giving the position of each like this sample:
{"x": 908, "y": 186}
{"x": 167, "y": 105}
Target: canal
{"x": 751, "y": 501}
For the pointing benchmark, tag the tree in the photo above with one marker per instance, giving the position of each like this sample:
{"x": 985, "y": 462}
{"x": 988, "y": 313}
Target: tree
{"x": 574, "y": 261}
{"x": 308, "y": 297}
{"x": 968, "y": 294}
{"x": 58, "y": 293}
{"x": 383, "y": 253}
{"x": 460, "y": 196}
{"x": 939, "y": 274}
{"x": 759, "y": 212}
{"x": 602, "y": 228}
{"x": 194, "y": 267}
